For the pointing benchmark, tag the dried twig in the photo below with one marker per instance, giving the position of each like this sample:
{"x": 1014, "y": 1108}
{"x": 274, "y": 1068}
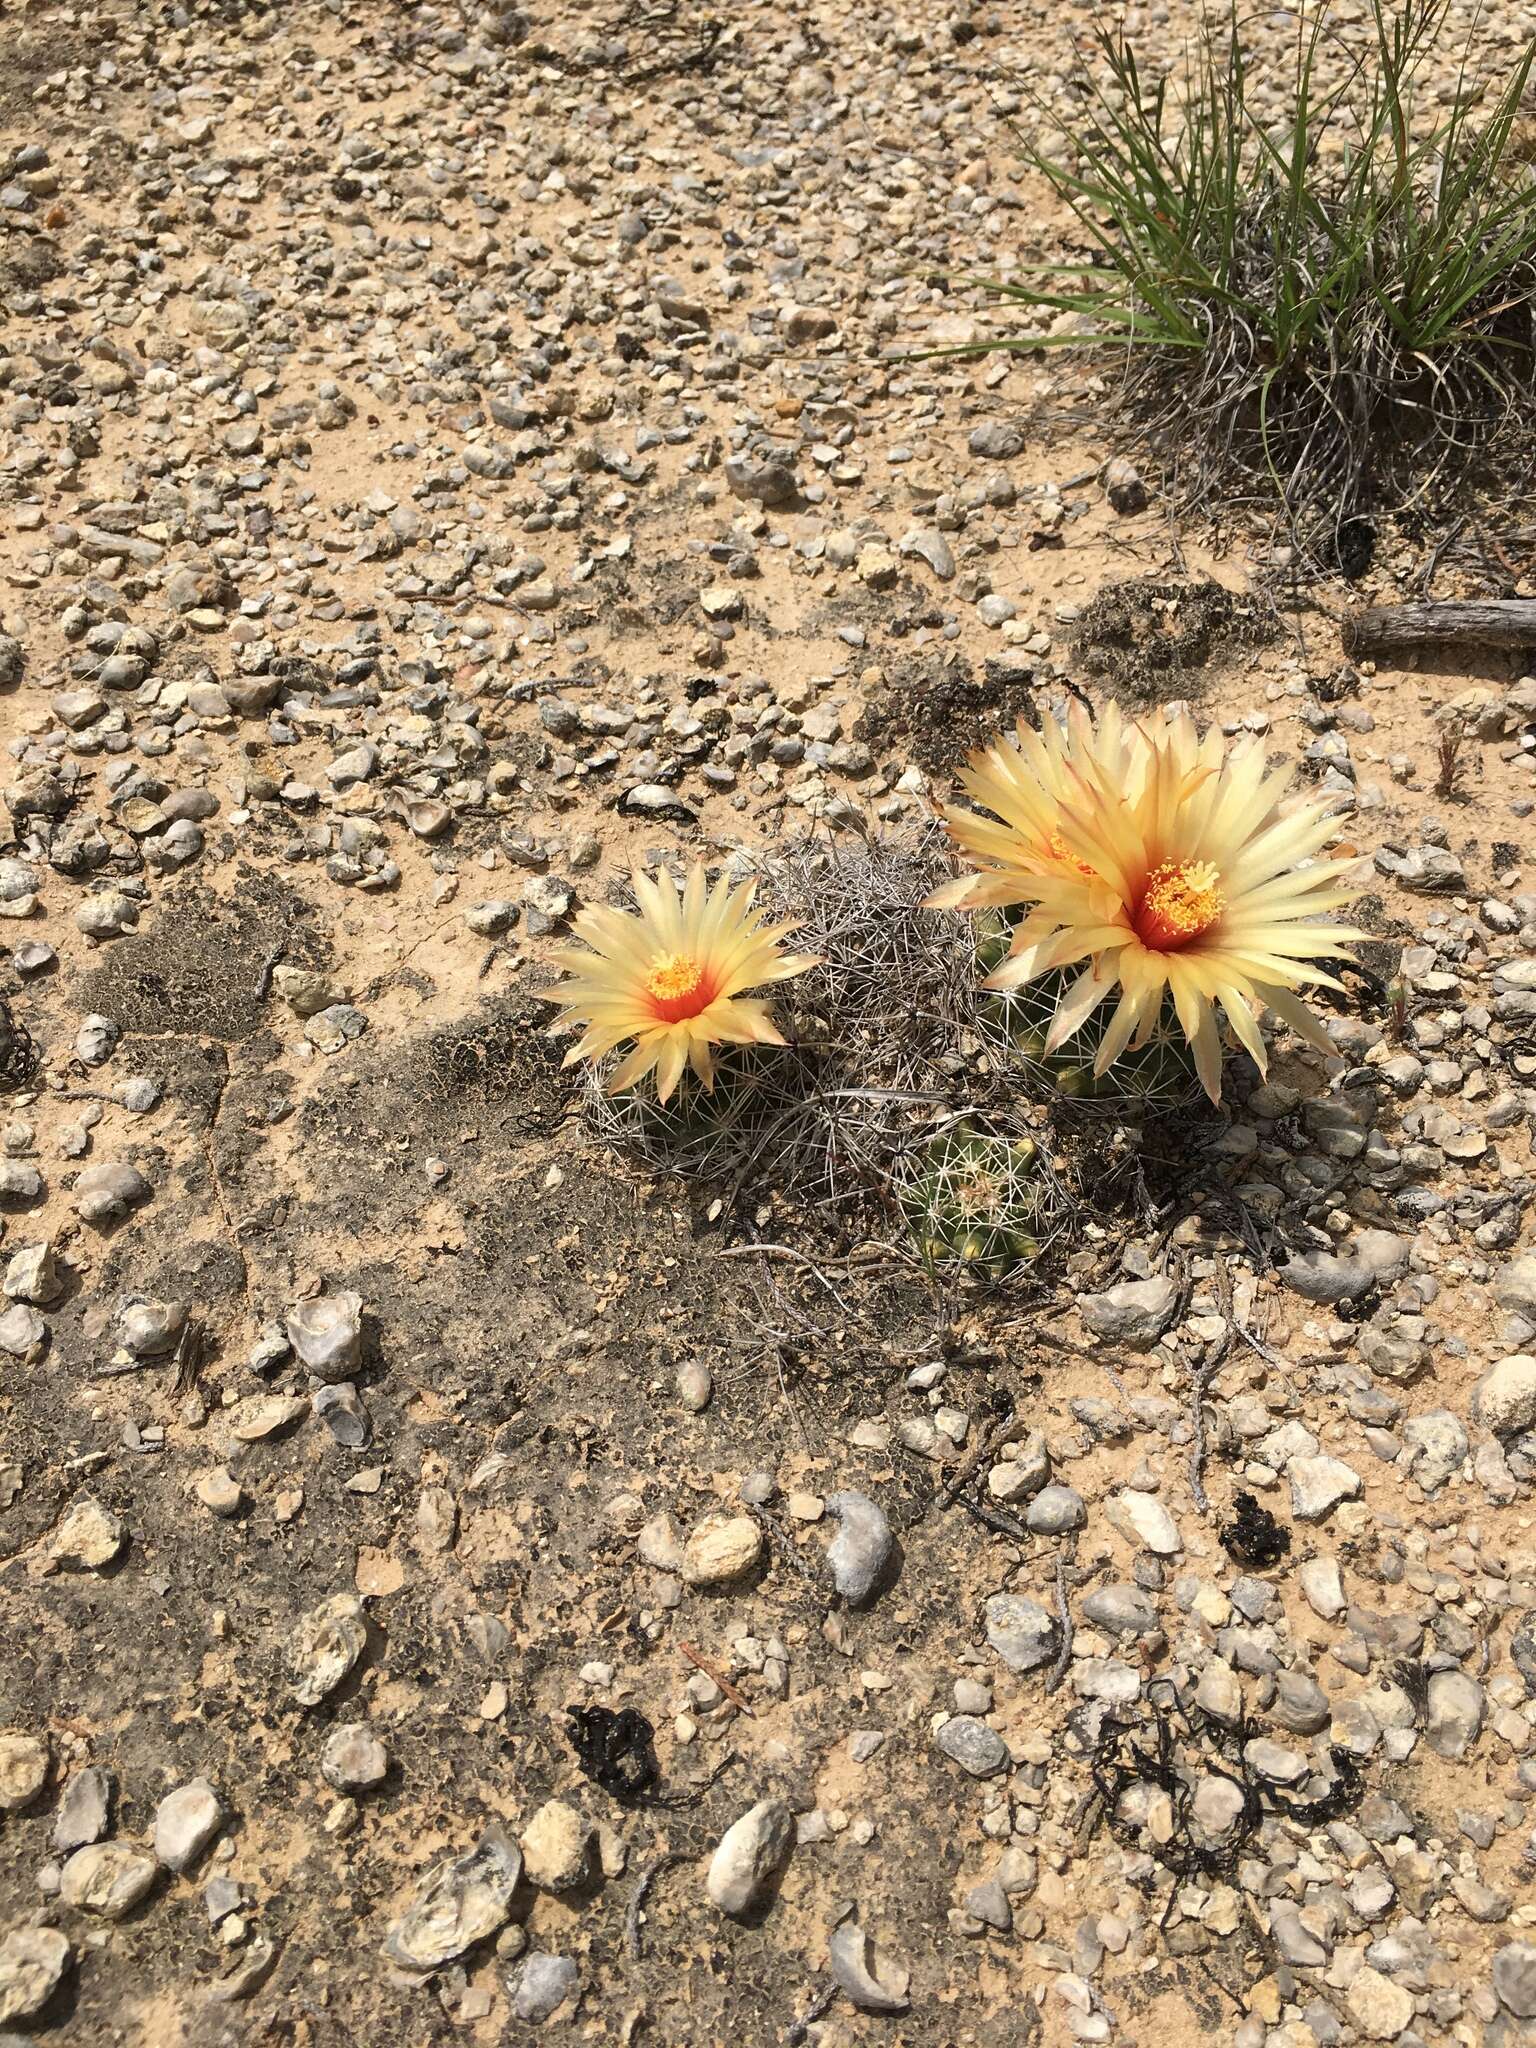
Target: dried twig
{"x": 189, "y": 1354}
{"x": 813, "y": 2012}
{"x": 269, "y": 960}
{"x": 1058, "y": 1670}
{"x": 1201, "y": 1376}
{"x": 636, "y": 1906}
{"x": 733, "y": 1693}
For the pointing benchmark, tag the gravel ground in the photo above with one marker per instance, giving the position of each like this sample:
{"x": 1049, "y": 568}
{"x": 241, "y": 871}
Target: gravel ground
{"x": 448, "y": 456}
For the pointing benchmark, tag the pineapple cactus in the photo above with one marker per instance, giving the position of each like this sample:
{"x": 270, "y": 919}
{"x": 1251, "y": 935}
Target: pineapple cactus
{"x": 980, "y": 1200}
{"x": 701, "y": 1133}
{"x": 1155, "y": 1079}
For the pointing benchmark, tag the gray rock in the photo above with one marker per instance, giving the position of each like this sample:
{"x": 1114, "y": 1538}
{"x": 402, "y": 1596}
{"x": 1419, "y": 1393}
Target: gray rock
{"x": 542, "y": 1985}
{"x": 1022, "y": 1469}
{"x": 96, "y": 1040}
{"x": 340, "y": 1407}
{"x": 108, "y": 915}
{"x": 998, "y": 440}
{"x": 1318, "y": 1485}
{"x": 334, "y": 1027}
{"x": 1514, "y": 1978}
{"x": 1055, "y": 1510}
{"x": 108, "y": 1878}
{"x": 1505, "y": 1398}
{"x": 150, "y": 1329}
{"x": 547, "y": 901}
{"x": 326, "y": 1646}
{"x": 930, "y": 546}
{"x": 1378, "y": 1259}
{"x": 1456, "y": 1709}
{"x": 186, "y": 1821}
{"x": 1274, "y": 1760}
{"x": 1120, "y": 1610}
{"x": 1021, "y": 1631}
{"x": 20, "y": 1182}
{"x": 1217, "y": 1804}
{"x": 353, "y": 1759}
{"x": 23, "y": 1333}
{"x": 1522, "y": 1647}
{"x": 988, "y": 1903}
{"x": 326, "y": 1333}
{"x": 765, "y": 483}
{"x": 19, "y": 880}
{"x": 1514, "y": 1287}
{"x": 32, "y": 1959}
{"x": 493, "y": 917}
{"x": 979, "y": 1750}
{"x": 1300, "y": 1705}
{"x": 103, "y": 1193}
{"x": 85, "y": 1811}
{"x": 1423, "y": 870}
{"x": 751, "y": 1853}
{"x": 1135, "y": 1313}
{"x": 861, "y": 1551}
{"x": 1393, "y": 1355}
{"x": 695, "y": 1385}
{"x": 460, "y": 1901}
{"x": 1438, "y": 1446}
{"x": 875, "y": 1981}
{"x": 1296, "y": 1944}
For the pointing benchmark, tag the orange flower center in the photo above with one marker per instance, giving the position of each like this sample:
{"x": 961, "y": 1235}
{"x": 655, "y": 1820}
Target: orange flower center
{"x": 679, "y": 986}
{"x": 1182, "y": 899}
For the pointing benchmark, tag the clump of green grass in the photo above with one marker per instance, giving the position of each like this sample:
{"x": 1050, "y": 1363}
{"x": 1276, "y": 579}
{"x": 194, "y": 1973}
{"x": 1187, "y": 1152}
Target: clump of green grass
{"x": 1330, "y": 297}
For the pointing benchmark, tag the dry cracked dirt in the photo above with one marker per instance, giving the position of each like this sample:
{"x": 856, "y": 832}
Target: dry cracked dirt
{"x": 446, "y": 456}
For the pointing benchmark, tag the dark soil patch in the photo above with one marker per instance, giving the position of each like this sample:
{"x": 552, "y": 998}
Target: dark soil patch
{"x": 1147, "y": 640}
{"x": 28, "y": 263}
{"x": 934, "y": 709}
{"x": 31, "y": 55}
{"x": 202, "y": 967}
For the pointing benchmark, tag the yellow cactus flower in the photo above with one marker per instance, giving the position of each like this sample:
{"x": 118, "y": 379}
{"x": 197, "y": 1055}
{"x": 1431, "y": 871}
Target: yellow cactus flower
{"x": 1165, "y": 864}
{"x": 1024, "y": 782}
{"x": 670, "y": 977}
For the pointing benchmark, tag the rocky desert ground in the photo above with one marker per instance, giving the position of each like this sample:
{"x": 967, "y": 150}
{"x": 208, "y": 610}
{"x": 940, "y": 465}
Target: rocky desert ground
{"x": 446, "y": 458}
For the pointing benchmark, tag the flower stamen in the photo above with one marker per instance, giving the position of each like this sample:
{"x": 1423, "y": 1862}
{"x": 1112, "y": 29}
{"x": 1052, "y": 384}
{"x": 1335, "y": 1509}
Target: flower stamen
{"x": 679, "y": 987}
{"x": 1182, "y": 899}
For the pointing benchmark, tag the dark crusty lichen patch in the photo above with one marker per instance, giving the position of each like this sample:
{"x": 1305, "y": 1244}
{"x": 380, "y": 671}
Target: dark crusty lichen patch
{"x": 202, "y": 962}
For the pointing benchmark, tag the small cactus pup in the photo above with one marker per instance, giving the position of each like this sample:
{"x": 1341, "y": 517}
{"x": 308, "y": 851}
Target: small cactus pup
{"x": 982, "y": 1201}
{"x": 701, "y": 1133}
